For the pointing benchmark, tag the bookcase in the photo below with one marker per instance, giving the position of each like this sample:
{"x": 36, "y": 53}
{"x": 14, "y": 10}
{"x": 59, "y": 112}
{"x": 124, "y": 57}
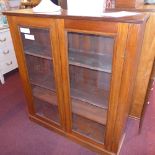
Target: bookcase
{"x": 78, "y": 72}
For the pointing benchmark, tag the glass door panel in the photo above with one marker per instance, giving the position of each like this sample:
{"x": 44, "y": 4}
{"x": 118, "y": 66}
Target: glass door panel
{"x": 36, "y": 41}
{"x": 45, "y": 103}
{"x": 39, "y": 61}
{"x": 40, "y": 71}
{"x": 90, "y": 67}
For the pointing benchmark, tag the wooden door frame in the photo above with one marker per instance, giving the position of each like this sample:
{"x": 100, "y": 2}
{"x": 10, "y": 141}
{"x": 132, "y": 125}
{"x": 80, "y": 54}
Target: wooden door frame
{"x": 38, "y": 23}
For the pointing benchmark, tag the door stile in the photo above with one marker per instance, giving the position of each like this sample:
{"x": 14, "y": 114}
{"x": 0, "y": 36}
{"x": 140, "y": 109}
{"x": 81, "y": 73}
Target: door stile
{"x": 117, "y": 68}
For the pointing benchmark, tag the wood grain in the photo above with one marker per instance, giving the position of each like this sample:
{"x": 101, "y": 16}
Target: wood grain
{"x": 118, "y": 62}
{"x": 128, "y": 3}
{"x": 21, "y": 65}
{"x": 128, "y": 80}
{"x": 144, "y": 68}
{"x": 65, "y": 77}
{"x": 91, "y": 26}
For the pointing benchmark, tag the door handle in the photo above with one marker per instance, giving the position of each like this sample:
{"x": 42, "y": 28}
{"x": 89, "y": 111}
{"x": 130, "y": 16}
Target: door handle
{"x": 6, "y": 52}
{"x": 2, "y": 40}
{"x": 9, "y": 63}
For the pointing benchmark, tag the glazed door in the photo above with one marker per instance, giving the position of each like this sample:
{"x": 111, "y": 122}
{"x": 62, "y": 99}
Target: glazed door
{"x": 38, "y": 41}
{"x": 92, "y": 53}
{"x": 90, "y": 69}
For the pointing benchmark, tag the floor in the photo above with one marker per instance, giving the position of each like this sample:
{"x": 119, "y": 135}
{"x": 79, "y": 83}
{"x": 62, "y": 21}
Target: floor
{"x": 20, "y": 136}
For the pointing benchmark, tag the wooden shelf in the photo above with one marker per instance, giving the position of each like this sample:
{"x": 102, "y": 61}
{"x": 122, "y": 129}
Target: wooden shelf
{"x": 91, "y": 61}
{"x": 90, "y": 52}
{"x": 38, "y": 55}
{"x": 88, "y": 128}
{"x": 38, "y": 50}
{"x": 46, "y": 110}
{"x": 89, "y": 67}
{"x": 90, "y": 43}
{"x": 43, "y": 83}
{"x": 89, "y": 111}
{"x": 45, "y": 95}
{"x": 79, "y": 107}
{"x": 99, "y": 100}
{"x": 40, "y": 71}
{"x": 41, "y": 44}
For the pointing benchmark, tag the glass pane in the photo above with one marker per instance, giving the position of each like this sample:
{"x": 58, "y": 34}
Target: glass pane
{"x": 90, "y": 51}
{"x": 45, "y": 103}
{"x": 40, "y": 71}
{"x": 89, "y": 85}
{"x": 36, "y": 45}
{"x": 46, "y": 110}
{"x": 88, "y": 127}
{"x": 36, "y": 41}
{"x": 90, "y": 65}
